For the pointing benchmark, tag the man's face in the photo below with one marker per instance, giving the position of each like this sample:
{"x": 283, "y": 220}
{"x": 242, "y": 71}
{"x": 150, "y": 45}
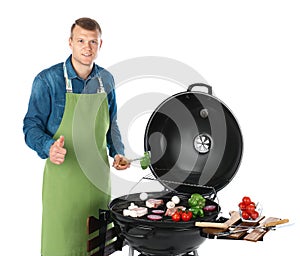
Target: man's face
{"x": 85, "y": 45}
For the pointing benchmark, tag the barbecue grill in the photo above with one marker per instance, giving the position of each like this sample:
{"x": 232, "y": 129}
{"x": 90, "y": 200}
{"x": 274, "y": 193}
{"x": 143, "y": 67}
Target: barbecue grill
{"x": 196, "y": 147}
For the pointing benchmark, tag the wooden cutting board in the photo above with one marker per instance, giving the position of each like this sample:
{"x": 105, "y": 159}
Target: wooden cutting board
{"x": 234, "y": 218}
{"x": 242, "y": 226}
{"x": 258, "y": 234}
{"x": 253, "y": 235}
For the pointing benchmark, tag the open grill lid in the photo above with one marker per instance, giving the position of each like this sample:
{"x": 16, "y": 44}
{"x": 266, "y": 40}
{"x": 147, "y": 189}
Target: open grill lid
{"x": 194, "y": 139}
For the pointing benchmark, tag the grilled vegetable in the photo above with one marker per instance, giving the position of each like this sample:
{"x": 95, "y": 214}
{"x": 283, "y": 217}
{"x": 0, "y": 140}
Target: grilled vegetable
{"x": 157, "y": 211}
{"x": 170, "y": 204}
{"x": 186, "y": 215}
{"x": 175, "y": 199}
{"x": 176, "y": 216}
{"x": 192, "y": 202}
{"x": 209, "y": 208}
{"x": 196, "y": 202}
{"x": 197, "y": 211}
{"x": 154, "y": 217}
{"x": 145, "y": 160}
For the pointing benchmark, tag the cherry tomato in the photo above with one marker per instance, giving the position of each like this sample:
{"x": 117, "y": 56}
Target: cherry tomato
{"x": 242, "y": 206}
{"x": 245, "y": 215}
{"x": 179, "y": 211}
{"x": 250, "y": 208}
{"x": 254, "y": 215}
{"x": 186, "y": 215}
{"x": 176, "y": 216}
{"x": 246, "y": 200}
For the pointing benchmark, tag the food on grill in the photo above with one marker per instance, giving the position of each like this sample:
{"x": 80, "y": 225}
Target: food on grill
{"x": 197, "y": 203}
{"x": 210, "y": 208}
{"x": 176, "y": 216}
{"x": 135, "y": 211}
{"x": 175, "y": 199}
{"x": 186, "y": 215}
{"x": 196, "y": 200}
{"x": 171, "y": 211}
{"x": 132, "y": 206}
{"x": 183, "y": 215}
{"x": 154, "y": 217}
{"x": 170, "y": 205}
{"x": 141, "y": 211}
{"x": 197, "y": 211}
{"x": 154, "y": 203}
{"x": 130, "y": 213}
{"x": 157, "y": 211}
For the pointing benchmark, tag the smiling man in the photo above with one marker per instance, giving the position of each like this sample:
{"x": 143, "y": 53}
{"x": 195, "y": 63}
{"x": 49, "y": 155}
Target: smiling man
{"x": 71, "y": 121}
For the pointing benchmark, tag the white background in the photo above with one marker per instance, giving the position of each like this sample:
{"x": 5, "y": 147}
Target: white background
{"x": 248, "y": 51}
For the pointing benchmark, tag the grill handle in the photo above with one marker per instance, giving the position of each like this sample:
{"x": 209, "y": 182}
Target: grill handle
{"x": 208, "y": 87}
{"x": 147, "y": 231}
{"x": 211, "y": 225}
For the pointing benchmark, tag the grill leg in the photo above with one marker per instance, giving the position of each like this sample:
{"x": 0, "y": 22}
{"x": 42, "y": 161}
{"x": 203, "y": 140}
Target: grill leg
{"x": 131, "y": 251}
{"x": 195, "y": 253}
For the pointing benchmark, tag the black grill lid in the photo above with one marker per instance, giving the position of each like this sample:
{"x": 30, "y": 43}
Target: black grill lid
{"x": 194, "y": 139}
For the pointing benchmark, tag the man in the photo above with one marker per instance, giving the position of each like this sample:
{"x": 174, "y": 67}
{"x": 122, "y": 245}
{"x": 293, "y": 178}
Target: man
{"x": 71, "y": 121}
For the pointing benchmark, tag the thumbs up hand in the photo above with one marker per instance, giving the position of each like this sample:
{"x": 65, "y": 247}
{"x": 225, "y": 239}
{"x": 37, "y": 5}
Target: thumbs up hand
{"x": 61, "y": 141}
{"x": 57, "y": 151}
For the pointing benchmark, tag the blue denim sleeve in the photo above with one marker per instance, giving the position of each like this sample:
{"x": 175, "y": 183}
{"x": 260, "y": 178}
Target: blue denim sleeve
{"x": 114, "y": 138}
{"x": 35, "y": 120}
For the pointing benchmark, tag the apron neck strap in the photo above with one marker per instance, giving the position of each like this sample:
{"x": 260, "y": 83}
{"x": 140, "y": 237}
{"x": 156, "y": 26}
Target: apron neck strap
{"x": 68, "y": 81}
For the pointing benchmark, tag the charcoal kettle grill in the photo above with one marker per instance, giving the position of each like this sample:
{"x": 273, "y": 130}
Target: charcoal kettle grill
{"x": 196, "y": 147}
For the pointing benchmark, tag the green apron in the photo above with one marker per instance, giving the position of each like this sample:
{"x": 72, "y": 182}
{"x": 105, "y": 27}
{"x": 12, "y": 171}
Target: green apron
{"x": 78, "y": 187}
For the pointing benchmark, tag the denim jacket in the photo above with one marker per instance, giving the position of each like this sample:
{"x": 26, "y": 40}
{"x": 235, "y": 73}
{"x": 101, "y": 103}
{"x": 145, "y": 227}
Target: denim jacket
{"x": 47, "y": 102}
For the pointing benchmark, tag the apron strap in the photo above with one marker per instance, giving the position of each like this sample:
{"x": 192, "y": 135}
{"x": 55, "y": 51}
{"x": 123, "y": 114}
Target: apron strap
{"x": 69, "y": 87}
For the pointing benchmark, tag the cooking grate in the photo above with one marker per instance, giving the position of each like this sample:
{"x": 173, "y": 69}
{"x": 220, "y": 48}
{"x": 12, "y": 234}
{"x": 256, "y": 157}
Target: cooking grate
{"x": 139, "y": 199}
{"x": 207, "y": 191}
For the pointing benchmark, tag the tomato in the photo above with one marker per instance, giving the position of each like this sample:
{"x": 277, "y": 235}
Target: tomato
{"x": 186, "y": 215}
{"x": 176, "y": 216}
{"x": 250, "y": 208}
{"x": 242, "y": 206}
{"x": 180, "y": 211}
{"x": 245, "y": 215}
{"x": 246, "y": 200}
{"x": 254, "y": 215}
